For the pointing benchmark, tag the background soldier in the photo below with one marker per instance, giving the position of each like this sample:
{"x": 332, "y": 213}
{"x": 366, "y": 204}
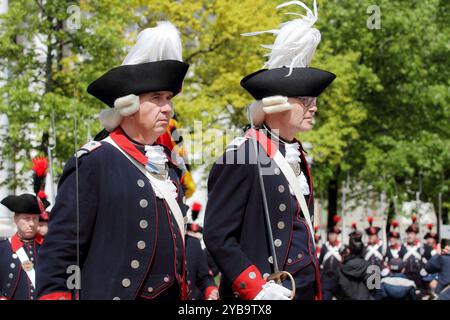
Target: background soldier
{"x": 330, "y": 260}
{"x": 374, "y": 249}
{"x": 412, "y": 255}
{"x": 18, "y": 254}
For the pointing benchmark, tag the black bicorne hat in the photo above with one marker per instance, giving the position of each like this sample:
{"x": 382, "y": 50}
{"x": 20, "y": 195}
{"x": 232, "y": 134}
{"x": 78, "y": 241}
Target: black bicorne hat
{"x": 164, "y": 75}
{"x": 302, "y": 82}
{"x": 25, "y": 203}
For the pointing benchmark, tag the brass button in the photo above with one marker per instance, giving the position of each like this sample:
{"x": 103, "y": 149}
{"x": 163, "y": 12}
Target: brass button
{"x": 289, "y": 260}
{"x": 270, "y": 259}
{"x": 281, "y": 225}
{"x": 12, "y": 265}
{"x": 143, "y": 203}
{"x": 14, "y": 256}
{"x": 265, "y": 275}
{"x": 280, "y": 188}
{"x": 141, "y": 183}
{"x": 116, "y": 298}
{"x": 282, "y": 207}
{"x": 126, "y": 282}
{"x": 300, "y": 255}
{"x": 242, "y": 285}
{"x": 143, "y": 224}
{"x": 166, "y": 279}
{"x": 135, "y": 264}
{"x": 10, "y": 276}
{"x": 252, "y": 275}
{"x": 141, "y": 245}
{"x": 150, "y": 289}
{"x": 277, "y": 171}
{"x": 277, "y": 243}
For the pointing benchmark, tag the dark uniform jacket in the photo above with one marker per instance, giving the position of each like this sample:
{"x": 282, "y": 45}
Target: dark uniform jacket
{"x": 14, "y": 281}
{"x": 199, "y": 278}
{"x": 440, "y": 264}
{"x": 235, "y": 230}
{"x": 124, "y": 239}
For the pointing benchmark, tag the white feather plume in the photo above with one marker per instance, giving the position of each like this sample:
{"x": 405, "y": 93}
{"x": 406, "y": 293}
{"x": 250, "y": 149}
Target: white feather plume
{"x": 155, "y": 44}
{"x": 296, "y": 40}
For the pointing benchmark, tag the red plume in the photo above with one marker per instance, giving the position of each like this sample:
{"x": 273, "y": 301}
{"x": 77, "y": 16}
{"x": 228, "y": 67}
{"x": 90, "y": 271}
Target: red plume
{"x": 414, "y": 218}
{"x": 40, "y": 166}
{"x": 370, "y": 220}
{"x": 336, "y": 219}
{"x": 354, "y": 225}
{"x": 394, "y": 223}
{"x": 41, "y": 194}
{"x": 430, "y": 226}
{"x": 196, "y": 206}
{"x": 316, "y": 228}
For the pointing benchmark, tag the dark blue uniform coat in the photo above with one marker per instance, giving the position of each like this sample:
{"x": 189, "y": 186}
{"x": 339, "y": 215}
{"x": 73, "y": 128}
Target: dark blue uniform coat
{"x": 14, "y": 281}
{"x": 235, "y": 231}
{"x": 117, "y": 236}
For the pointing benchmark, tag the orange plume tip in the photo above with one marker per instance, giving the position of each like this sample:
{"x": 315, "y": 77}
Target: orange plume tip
{"x": 336, "y": 219}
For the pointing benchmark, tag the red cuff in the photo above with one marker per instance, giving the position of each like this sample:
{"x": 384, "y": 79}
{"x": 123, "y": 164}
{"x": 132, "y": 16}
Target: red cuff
{"x": 57, "y": 296}
{"x": 249, "y": 283}
{"x": 209, "y": 290}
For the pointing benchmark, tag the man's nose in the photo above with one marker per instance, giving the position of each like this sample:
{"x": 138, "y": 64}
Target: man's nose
{"x": 313, "y": 108}
{"x": 166, "y": 107}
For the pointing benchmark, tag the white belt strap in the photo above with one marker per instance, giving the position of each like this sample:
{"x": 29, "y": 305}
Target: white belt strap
{"x": 23, "y": 257}
{"x": 412, "y": 251}
{"x": 295, "y": 185}
{"x": 332, "y": 251}
{"x": 160, "y": 185}
{"x": 374, "y": 251}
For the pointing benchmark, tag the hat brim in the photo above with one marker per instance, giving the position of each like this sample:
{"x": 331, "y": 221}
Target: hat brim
{"x": 165, "y": 75}
{"x": 303, "y": 82}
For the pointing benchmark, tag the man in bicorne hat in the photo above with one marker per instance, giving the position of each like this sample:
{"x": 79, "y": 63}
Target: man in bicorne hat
{"x": 18, "y": 254}
{"x": 236, "y": 231}
{"x": 119, "y": 216}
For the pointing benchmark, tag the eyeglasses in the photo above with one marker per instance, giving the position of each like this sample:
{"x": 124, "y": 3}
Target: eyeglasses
{"x": 308, "y": 101}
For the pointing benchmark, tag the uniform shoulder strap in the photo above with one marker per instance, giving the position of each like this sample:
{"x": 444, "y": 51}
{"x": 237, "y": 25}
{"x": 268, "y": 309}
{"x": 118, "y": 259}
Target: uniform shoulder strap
{"x": 87, "y": 148}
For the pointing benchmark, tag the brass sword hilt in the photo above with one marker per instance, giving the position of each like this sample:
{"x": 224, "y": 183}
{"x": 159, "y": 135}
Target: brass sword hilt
{"x": 280, "y": 276}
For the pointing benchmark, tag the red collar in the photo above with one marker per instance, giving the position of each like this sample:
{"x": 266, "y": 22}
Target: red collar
{"x": 126, "y": 145}
{"x": 16, "y": 243}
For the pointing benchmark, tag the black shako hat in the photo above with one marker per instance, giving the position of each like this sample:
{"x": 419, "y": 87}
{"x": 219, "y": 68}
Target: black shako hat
{"x": 25, "y": 203}
{"x": 303, "y": 82}
{"x": 164, "y": 75}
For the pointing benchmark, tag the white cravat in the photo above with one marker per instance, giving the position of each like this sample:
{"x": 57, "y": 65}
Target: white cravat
{"x": 157, "y": 156}
{"x": 293, "y": 157}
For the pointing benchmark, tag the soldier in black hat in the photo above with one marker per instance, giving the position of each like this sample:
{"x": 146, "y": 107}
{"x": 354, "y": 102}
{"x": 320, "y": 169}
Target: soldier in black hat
{"x": 330, "y": 260}
{"x": 395, "y": 248}
{"x": 374, "y": 249}
{"x": 412, "y": 255}
{"x": 18, "y": 254}
{"x": 259, "y": 214}
{"x": 118, "y": 226}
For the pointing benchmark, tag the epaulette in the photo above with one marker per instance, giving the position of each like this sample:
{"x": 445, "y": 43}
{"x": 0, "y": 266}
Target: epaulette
{"x": 236, "y": 144}
{"x": 87, "y": 148}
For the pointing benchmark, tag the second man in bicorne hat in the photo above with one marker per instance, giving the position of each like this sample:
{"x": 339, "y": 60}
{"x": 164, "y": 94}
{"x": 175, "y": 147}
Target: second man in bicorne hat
{"x": 235, "y": 228}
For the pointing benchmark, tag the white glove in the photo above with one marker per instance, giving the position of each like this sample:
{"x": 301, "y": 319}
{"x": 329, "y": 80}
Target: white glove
{"x": 273, "y": 291}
